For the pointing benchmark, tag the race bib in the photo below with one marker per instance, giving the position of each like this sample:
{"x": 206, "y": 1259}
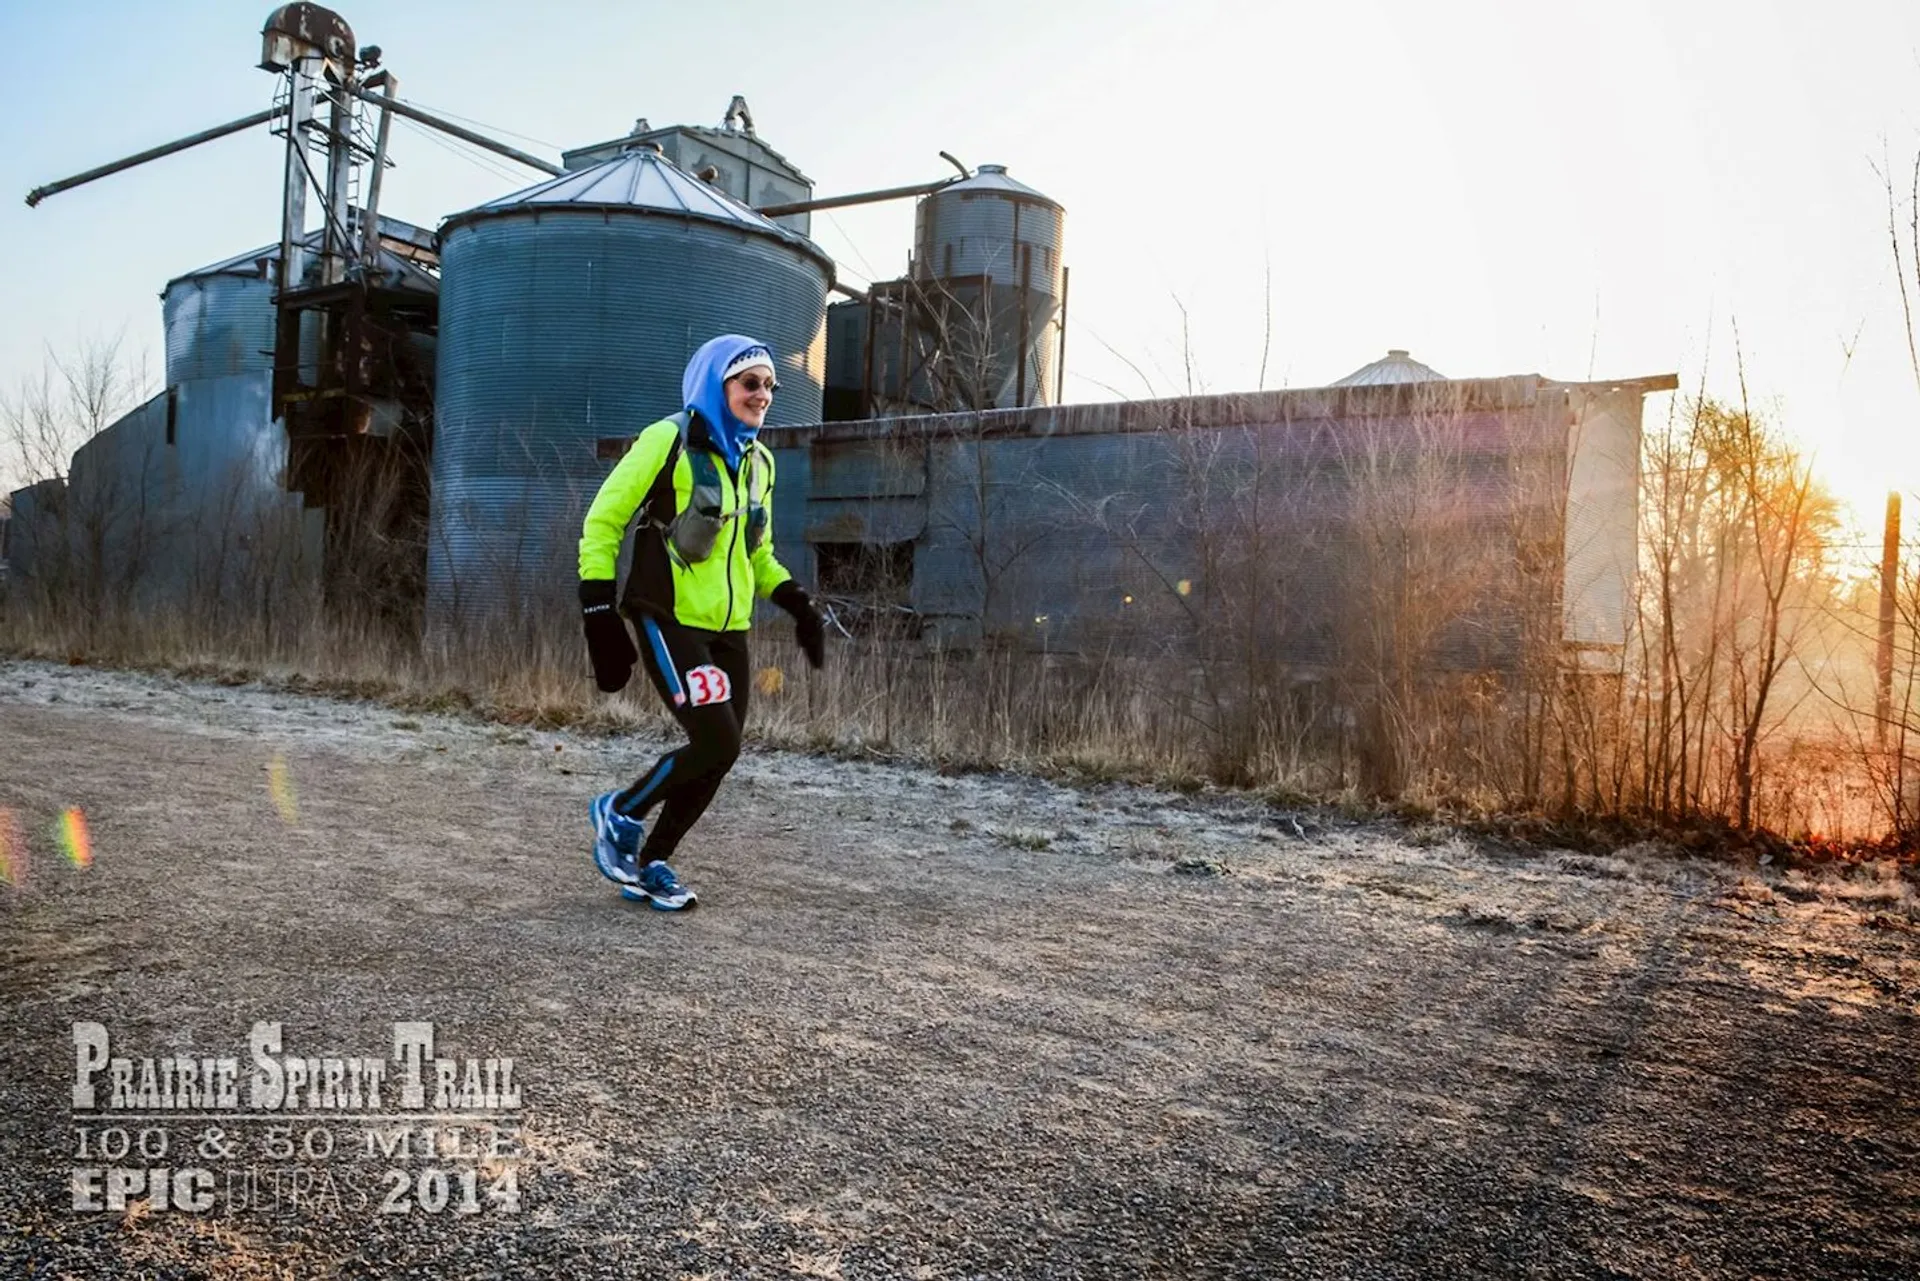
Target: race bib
{"x": 708, "y": 684}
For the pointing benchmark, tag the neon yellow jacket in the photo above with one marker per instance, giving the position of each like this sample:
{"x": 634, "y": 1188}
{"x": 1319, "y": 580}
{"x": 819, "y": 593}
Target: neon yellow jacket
{"x": 715, "y": 594}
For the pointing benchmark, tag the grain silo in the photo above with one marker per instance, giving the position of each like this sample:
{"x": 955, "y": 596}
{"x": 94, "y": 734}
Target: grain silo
{"x": 977, "y": 322}
{"x": 219, "y": 319}
{"x": 567, "y": 314}
{"x": 988, "y": 267}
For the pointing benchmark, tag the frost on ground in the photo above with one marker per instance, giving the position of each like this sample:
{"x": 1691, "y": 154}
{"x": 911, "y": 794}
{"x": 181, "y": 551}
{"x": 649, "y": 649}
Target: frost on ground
{"x": 929, "y": 1026}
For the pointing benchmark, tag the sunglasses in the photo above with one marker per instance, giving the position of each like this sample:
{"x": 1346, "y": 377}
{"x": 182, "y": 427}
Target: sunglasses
{"x": 755, "y": 383}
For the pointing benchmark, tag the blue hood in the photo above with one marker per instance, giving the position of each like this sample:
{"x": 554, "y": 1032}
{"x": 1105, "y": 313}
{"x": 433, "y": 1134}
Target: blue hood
{"x": 706, "y": 397}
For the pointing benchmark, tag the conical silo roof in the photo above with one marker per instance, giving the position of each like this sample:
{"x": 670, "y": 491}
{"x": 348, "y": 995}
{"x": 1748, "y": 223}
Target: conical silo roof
{"x": 1395, "y": 367}
{"x": 640, "y": 181}
{"x": 994, "y": 178}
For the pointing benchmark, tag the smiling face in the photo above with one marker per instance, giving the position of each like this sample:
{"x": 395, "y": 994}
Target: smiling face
{"x": 750, "y": 395}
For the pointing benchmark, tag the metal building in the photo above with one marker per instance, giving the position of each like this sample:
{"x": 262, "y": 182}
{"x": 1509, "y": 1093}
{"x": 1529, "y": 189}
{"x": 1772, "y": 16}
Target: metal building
{"x": 180, "y": 504}
{"x": 219, "y": 319}
{"x": 845, "y": 396}
{"x": 34, "y": 513}
{"x": 567, "y": 314}
{"x": 1482, "y": 516}
{"x": 732, "y": 158}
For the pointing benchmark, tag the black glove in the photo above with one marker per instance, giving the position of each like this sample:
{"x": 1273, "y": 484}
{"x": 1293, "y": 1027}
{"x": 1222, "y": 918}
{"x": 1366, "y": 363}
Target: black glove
{"x": 808, "y": 627}
{"x": 609, "y": 643}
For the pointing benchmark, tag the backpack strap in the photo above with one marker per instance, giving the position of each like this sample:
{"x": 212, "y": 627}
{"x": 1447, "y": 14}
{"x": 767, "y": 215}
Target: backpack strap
{"x": 683, "y": 420}
{"x": 706, "y": 472}
{"x": 641, "y": 519}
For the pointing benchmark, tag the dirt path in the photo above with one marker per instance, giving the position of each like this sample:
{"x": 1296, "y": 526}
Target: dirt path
{"x": 932, "y": 1027}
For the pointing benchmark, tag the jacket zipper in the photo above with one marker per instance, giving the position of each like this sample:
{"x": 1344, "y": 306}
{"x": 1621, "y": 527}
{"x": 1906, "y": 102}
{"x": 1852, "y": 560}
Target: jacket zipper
{"x": 733, "y": 540}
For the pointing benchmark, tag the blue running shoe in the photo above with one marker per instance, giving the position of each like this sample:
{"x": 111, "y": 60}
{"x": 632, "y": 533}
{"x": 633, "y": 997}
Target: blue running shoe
{"x": 660, "y": 889}
{"x": 616, "y": 842}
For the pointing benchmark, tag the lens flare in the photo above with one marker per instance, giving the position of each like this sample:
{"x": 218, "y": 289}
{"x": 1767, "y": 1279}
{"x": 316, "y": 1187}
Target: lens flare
{"x": 74, "y": 839}
{"x": 13, "y": 850}
{"x": 280, "y": 788}
{"x": 1184, "y": 587}
{"x": 770, "y": 681}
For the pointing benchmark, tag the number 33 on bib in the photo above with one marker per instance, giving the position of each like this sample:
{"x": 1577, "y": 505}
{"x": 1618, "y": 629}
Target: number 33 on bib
{"x": 707, "y": 684}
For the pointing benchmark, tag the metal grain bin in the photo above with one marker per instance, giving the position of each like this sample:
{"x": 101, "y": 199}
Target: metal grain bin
{"x": 219, "y": 319}
{"x": 981, "y": 245}
{"x": 567, "y": 313}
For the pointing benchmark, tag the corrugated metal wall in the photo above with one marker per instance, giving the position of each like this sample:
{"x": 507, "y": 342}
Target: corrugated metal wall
{"x": 121, "y": 507}
{"x": 218, "y": 325}
{"x": 38, "y": 512}
{"x": 221, "y": 325}
{"x": 846, "y": 345}
{"x": 251, "y": 533}
{"x": 1310, "y": 522}
{"x": 178, "y": 503}
{"x": 969, "y": 231}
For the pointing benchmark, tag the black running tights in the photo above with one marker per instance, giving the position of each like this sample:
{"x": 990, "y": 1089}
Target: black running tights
{"x": 705, "y": 681}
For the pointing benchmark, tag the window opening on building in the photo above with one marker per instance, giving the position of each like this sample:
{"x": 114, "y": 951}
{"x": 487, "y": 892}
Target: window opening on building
{"x": 869, "y": 585}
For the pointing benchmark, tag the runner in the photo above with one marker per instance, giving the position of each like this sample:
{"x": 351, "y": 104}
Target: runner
{"x": 697, "y": 489}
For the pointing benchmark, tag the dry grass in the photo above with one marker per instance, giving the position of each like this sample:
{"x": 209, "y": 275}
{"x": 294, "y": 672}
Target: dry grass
{"x": 1390, "y": 714}
{"x": 956, "y": 712}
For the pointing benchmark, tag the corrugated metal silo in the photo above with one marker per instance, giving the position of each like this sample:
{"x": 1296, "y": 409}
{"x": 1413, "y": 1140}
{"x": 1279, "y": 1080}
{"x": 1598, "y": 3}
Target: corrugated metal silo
{"x": 219, "y": 319}
{"x": 983, "y": 247}
{"x": 567, "y": 313}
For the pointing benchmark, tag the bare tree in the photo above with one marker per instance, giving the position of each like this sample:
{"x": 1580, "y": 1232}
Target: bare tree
{"x": 1740, "y": 537}
{"x": 68, "y": 401}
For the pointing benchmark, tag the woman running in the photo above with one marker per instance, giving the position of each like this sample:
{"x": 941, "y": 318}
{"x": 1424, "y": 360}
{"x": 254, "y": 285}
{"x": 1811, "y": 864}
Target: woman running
{"x": 701, "y": 486}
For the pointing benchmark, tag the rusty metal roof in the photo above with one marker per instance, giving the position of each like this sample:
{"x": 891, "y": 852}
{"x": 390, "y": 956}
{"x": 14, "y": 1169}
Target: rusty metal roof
{"x": 401, "y": 271}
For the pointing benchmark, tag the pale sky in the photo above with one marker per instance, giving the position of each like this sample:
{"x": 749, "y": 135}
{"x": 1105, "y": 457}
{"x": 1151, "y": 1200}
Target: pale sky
{"x": 1577, "y": 190}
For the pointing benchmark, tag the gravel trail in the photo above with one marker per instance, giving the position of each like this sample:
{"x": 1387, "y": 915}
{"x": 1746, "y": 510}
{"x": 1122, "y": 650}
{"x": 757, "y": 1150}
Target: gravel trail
{"x": 926, "y": 1026}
